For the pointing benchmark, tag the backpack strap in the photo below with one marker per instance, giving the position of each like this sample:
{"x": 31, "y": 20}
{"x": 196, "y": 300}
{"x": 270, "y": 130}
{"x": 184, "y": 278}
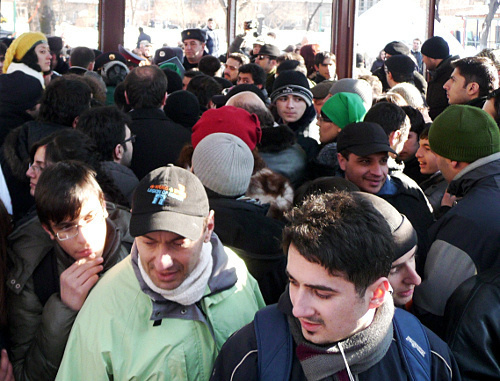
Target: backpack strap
{"x": 274, "y": 344}
{"x": 413, "y": 345}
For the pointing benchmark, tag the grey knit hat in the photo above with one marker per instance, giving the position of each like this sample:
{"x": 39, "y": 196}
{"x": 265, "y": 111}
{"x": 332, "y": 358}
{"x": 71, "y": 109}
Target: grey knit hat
{"x": 356, "y": 86}
{"x": 224, "y": 164}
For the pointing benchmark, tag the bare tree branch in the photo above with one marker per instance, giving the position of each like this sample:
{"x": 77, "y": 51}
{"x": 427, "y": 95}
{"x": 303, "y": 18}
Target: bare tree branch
{"x": 312, "y": 16}
{"x": 485, "y": 29}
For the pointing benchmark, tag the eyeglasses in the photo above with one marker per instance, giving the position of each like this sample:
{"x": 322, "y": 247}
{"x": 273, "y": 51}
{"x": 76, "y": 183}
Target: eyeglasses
{"x": 131, "y": 139}
{"x": 35, "y": 168}
{"x": 323, "y": 119}
{"x": 262, "y": 57}
{"x": 72, "y": 231}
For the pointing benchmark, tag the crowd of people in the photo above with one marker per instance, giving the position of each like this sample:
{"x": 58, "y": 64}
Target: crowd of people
{"x": 189, "y": 214}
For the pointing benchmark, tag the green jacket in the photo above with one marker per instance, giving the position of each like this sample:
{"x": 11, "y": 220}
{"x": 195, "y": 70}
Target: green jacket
{"x": 122, "y": 333}
{"x": 39, "y": 329}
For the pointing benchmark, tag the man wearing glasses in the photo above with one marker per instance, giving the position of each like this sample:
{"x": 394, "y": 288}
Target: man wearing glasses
{"x": 267, "y": 61}
{"x": 51, "y": 279}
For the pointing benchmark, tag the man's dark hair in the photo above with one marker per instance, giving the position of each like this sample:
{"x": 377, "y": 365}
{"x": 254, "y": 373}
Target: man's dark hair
{"x": 241, "y": 58}
{"x": 209, "y": 65}
{"x": 71, "y": 144}
{"x": 390, "y": 116}
{"x": 81, "y": 56}
{"x": 146, "y": 87}
{"x": 321, "y": 56}
{"x": 417, "y": 122}
{"x": 343, "y": 233}
{"x": 258, "y": 74}
{"x": 106, "y": 127}
{"x": 425, "y": 133}
{"x": 62, "y": 189}
{"x": 191, "y": 73}
{"x": 481, "y": 70}
{"x": 63, "y": 100}
{"x": 204, "y": 87}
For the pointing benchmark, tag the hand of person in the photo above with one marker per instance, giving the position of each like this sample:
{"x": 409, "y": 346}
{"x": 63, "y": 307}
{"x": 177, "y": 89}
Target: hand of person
{"x": 6, "y": 372}
{"x": 77, "y": 280}
{"x": 448, "y": 199}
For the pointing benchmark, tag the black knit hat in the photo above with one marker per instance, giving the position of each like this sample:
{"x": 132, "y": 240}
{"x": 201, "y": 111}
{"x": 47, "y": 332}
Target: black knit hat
{"x": 436, "y": 47}
{"x": 396, "y": 47}
{"x": 292, "y": 82}
{"x": 400, "y": 64}
{"x": 19, "y": 91}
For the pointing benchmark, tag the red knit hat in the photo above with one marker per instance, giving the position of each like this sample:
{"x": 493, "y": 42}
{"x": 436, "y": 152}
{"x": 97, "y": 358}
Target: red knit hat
{"x": 231, "y": 120}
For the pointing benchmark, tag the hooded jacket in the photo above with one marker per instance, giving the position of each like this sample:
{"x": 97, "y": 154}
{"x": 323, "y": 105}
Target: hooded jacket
{"x": 465, "y": 241}
{"x": 38, "y": 328}
{"x": 127, "y": 332}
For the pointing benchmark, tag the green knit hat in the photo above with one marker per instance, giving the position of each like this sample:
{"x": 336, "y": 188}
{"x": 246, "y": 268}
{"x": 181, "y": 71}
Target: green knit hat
{"x": 344, "y": 108}
{"x": 464, "y": 133}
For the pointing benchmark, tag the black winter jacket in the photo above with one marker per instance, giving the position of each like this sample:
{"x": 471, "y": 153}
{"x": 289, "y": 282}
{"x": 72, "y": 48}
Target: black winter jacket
{"x": 473, "y": 326}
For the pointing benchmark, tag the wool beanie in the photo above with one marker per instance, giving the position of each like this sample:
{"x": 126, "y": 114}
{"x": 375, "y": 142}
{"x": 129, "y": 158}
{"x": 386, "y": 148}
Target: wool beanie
{"x": 183, "y": 108}
{"x": 19, "y": 91}
{"x": 436, "y": 47}
{"x": 228, "y": 119}
{"x": 292, "y": 82}
{"x": 224, "y": 164}
{"x": 396, "y": 47}
{"x": 464, "y": 133}
{"x": 20, "y": 46}
{"x": 321, "y": 90}
{"x": 344, "y": 108}
{"x": 403, "y": 233}
{"x": 356, "y": 86}
{"x": 400, "y": 64}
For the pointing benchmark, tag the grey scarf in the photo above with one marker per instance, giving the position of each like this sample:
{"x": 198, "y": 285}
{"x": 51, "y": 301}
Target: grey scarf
{"x": 362, "y": 350}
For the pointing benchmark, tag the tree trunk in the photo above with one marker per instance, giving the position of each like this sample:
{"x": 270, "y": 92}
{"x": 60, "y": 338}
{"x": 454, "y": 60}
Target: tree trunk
{"x": 485, "y": 29}
{"x": 312, "y": 16}
{"x": 437, "y": 17}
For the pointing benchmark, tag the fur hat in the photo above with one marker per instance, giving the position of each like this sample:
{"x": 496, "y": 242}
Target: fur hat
{"x": 356, "y": 86}
{"x": 224, "y": 164}
{"x": 294, "y": 83}
{"x": 20, "y": 46}
{"x": 436, "y": 47}
{"x": 194, "y": 34}
{"x": 464, "y": 133}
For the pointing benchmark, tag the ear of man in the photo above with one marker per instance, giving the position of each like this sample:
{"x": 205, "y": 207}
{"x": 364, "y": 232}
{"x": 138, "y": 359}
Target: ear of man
{"x": 377, "y": 292}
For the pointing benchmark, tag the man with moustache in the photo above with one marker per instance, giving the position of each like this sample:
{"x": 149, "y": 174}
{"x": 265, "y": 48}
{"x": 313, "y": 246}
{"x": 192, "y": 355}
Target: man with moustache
{"x": 194, "y": 47}
{"x": 233, "y": 63}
